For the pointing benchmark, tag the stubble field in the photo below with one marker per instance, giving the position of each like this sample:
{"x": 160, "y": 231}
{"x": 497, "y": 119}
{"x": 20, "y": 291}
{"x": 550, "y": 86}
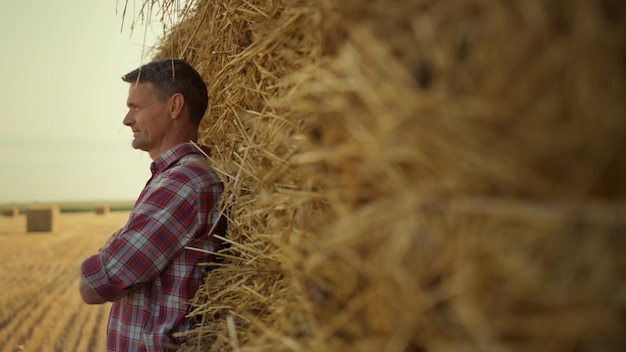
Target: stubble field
{"x": 40, "y": 307}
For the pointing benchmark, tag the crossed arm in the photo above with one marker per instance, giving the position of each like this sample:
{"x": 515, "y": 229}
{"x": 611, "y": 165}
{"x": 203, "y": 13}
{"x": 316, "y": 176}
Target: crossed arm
{"x": 88, "y": 294}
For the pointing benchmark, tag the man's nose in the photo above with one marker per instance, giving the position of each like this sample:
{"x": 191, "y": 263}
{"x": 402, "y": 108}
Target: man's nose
{"x": 128, "y": 120}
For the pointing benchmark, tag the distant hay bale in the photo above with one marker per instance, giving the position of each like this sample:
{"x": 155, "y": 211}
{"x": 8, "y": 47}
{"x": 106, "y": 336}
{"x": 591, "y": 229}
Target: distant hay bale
{"x": 415, "y": 176}
{"x": 102, "y": 209}
{"x": 42, "y": 219}
{"x": 11, "y": 212}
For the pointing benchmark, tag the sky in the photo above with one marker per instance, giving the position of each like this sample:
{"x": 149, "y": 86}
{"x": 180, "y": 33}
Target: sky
{"x": 63, "y": 101}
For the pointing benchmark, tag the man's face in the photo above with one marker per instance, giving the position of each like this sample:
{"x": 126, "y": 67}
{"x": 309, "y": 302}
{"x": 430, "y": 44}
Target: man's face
{"x": 147, "y": 117}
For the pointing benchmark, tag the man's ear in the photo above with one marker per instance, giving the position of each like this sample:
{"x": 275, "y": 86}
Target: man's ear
{"x": 176, "y": 104}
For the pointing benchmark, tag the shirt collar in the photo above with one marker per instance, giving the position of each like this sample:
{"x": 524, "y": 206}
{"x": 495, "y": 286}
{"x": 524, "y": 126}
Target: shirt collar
{"x": 172, "y": 155}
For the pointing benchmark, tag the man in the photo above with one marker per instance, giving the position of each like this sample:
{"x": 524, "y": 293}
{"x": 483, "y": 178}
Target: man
{"x": 146, "y": 268}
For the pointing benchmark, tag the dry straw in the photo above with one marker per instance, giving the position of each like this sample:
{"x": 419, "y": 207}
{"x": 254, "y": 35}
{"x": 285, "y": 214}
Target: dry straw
{"x": 11, "y": 212}
{"x": 102, "y": 209}
{"x": 414, "y": 175}
{"x": 42, "y": 218}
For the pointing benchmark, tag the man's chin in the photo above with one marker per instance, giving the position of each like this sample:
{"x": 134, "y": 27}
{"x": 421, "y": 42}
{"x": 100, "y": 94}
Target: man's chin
{"x": 138, "y": 145}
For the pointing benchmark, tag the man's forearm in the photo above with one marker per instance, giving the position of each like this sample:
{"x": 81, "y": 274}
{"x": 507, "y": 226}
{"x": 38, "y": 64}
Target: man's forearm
{"x": 88, "y": 294}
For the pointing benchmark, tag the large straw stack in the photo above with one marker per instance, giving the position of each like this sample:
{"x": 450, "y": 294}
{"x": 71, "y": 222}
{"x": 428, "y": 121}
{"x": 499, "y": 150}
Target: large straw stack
{"x": 42, "y": 218}
{"x": 102, "y": 209}
{"x": 414, "y": 175}
{"x": 10, "y": 212}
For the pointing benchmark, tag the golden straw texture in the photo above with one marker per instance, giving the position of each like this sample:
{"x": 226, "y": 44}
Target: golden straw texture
{"x": 413, "y": 175}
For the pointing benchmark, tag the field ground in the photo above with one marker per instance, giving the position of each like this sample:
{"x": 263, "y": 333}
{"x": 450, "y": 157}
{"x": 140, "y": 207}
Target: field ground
{"x": 40, "y": 307}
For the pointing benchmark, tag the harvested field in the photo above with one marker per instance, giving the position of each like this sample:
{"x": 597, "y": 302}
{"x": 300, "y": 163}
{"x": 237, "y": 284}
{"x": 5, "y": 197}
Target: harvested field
{"x": 40, "y": 308}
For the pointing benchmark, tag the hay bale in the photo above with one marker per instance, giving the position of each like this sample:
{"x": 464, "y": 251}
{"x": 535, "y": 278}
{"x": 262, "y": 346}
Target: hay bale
{"x": 11, "y": 212}
{"x": 42, "y": 219}
{"x": 423, "y": 176}
{"x": 102, "y": 209}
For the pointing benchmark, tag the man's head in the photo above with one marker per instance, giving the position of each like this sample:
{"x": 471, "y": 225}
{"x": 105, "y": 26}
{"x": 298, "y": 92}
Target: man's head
{"x": 166, "y": 101}
{"x": 171, "y": 76}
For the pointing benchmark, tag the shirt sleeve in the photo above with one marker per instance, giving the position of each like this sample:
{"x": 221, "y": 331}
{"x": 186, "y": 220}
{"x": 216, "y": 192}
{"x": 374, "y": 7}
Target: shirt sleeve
{"x": 160, "y": 226}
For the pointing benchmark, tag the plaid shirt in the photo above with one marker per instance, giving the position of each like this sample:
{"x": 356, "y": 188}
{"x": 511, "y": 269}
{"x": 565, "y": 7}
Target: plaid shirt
{"x": 145, "y": 269}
